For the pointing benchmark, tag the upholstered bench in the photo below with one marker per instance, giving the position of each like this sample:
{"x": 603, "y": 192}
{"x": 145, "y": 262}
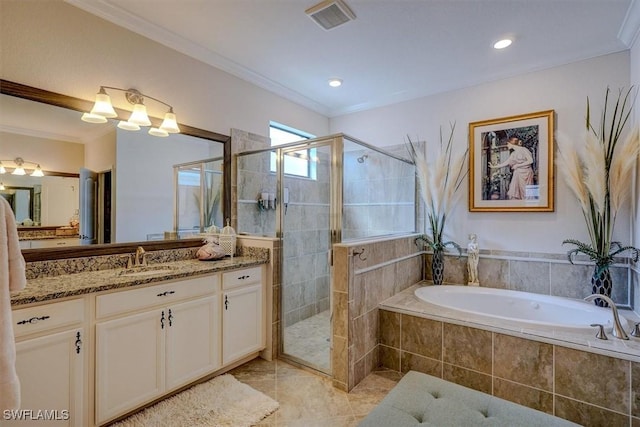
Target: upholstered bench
{"x": 422, "y": 400}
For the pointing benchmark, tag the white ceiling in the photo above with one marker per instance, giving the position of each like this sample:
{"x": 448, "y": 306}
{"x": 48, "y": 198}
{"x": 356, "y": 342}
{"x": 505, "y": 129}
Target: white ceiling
{"x": 395, "y": 50}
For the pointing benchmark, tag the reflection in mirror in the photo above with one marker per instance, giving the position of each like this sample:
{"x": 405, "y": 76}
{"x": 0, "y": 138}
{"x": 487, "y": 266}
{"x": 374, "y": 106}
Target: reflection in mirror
{"x": 135, "y": 188}
{"x": 47, "y": 201}
{"x": 145, "y": 181}
{"x": 22, "y": 202}
{"x": 199, "y": 190}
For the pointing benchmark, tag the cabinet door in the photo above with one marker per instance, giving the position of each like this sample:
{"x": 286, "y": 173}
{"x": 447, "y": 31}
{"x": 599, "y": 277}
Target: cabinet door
{"x": 242, "y": 323}
{"x": 192, "y": 340}
{"x": 129, "y": 362}
{"x": 51, "y": 372}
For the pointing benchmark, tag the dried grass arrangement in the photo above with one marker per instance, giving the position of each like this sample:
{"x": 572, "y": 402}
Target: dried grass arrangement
{"x": 598, "y": 171}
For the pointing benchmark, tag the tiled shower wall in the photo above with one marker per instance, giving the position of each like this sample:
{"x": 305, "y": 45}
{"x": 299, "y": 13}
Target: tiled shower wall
{"x": 379, "y": 194}
{"x": 306, "y": 245}
{"x": 305, "y": 279}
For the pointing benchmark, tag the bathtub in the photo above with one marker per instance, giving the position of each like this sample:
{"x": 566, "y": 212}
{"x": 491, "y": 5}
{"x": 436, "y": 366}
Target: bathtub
{"x": 521, "y": 309}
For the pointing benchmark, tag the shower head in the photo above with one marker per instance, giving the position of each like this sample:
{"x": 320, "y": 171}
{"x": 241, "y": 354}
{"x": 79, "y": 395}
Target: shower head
{"x": 361, "y": 158}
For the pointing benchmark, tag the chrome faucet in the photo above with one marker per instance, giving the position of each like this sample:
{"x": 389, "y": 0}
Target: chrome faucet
{"x": 618, "y": 330}
{"x": 141, "y": 258}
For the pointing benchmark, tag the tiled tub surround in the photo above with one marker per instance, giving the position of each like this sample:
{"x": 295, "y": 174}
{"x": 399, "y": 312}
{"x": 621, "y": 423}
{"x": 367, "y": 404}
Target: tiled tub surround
{"x": 365, "y": 273}
{"x": 571, "y": 375}
{"x": 541, "y": 273}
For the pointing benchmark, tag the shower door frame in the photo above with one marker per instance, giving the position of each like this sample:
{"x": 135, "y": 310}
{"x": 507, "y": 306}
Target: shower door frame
{"x": 335, "y": 224}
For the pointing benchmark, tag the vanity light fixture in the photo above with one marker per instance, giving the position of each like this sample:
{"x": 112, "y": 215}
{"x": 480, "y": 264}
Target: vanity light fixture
{"x": 18, "y": 164}
{"x": 103, "y": 110}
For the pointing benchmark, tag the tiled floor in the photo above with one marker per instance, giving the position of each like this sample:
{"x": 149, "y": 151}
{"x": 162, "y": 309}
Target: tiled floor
{"x": 310, "y": 400}
{"x": 309, "y": 340}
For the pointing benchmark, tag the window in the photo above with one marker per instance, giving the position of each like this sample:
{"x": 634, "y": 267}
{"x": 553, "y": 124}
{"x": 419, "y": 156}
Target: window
{"x": 297, "y": 163}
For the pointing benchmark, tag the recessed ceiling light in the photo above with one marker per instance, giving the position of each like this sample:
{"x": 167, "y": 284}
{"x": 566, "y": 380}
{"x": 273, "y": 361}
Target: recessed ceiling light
{"x": 501, "y": 44}
{"x": 335, "y": 82}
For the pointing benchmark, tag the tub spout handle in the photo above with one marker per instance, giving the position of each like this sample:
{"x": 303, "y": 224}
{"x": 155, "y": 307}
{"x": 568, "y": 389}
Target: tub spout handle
{"x": 618, "y": 330}
{"x": 600, "y": 335}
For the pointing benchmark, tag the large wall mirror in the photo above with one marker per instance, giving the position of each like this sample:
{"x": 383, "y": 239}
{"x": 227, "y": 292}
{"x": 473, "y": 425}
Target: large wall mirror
{"x": 134, "y": 170}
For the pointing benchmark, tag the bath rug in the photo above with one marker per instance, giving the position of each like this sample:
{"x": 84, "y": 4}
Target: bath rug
{"x": 220, "y": 402}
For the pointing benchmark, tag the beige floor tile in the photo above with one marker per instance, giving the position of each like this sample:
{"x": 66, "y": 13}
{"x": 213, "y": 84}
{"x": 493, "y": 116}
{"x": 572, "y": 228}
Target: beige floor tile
{"x": 366, "y": 395}
{"x": 308, "y": 399}
{"x": 347, "y": 421}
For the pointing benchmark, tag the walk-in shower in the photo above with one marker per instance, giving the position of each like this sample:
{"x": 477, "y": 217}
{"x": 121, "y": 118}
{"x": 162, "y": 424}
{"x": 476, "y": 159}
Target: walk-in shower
{"x": 320, "y": 192}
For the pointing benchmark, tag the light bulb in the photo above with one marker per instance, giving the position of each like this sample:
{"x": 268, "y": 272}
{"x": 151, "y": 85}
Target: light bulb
{"x": 139, "y": 116}
{"x": 93, "y": 118}
{"x": 170, "y": 124}
{"x": 128, "y": 126}
{"x": 158, "y": 132}
{"x": 102, "y": 106}
{"x": 37, "y": 171}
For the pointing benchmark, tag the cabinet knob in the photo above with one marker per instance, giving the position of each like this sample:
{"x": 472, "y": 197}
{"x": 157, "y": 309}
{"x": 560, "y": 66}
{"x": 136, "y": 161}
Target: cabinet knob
{"x": 170, "y": 318}
{"x": 162, "y": 320}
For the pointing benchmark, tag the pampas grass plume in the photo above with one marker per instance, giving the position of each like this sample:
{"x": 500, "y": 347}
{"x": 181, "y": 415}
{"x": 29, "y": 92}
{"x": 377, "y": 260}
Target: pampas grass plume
{"x": 569, "y": 164}
{"x": 595, "y": 171}
{"x": 622, "y": 165}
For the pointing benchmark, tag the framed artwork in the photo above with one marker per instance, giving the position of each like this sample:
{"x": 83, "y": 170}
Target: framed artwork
{"x": 511, "y": 164}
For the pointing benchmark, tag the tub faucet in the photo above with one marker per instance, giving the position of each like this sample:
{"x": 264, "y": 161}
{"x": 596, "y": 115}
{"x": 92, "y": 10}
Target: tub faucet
{"x": 618, "y": 330}
{"x": 140, "y": 259}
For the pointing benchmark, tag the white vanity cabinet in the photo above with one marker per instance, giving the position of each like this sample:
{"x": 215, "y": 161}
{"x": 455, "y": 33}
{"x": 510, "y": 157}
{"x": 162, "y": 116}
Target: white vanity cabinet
{"x": 51, "y": 360}
{"x": 242, "y": 313}
{"x": 152, "y": 340}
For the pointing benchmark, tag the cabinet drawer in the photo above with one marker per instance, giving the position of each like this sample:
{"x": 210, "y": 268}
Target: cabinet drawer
{"x": 47, "y": 317}
{"x": 138, "y": 299}
{"x": 247, "y": 276}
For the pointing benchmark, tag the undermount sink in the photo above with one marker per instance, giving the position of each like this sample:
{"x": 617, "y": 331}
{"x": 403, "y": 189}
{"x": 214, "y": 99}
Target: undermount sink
{"x": 147, "y": 271}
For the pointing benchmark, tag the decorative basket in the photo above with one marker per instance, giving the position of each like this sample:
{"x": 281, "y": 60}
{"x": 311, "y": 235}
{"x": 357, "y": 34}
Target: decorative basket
{"x": 228, "y": 240}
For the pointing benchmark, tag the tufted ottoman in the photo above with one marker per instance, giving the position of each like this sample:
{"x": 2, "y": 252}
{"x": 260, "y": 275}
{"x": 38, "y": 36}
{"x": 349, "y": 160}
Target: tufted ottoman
{"x": 422, "y": 400}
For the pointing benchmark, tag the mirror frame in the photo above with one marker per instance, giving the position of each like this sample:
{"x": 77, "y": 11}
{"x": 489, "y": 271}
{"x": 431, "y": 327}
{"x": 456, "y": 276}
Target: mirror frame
{"x": 46, "y": 97}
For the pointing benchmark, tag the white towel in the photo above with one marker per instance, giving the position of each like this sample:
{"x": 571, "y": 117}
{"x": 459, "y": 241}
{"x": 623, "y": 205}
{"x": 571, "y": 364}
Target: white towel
{"x": 12, "y": 278}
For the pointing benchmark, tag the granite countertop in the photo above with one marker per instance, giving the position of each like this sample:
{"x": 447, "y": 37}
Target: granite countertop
{"x": 66, "y": 285}
{"x": 49, "y": 237}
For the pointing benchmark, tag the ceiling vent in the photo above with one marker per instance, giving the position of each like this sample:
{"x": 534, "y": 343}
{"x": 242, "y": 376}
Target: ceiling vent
{"x": 330, "y": 13}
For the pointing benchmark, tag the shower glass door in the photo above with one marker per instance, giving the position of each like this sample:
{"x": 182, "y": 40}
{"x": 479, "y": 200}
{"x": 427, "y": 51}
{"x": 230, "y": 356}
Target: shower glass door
{"x": 306, "y": 196}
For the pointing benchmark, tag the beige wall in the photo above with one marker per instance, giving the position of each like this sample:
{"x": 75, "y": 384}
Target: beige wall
{"x": 52, "y": 155}
{"x": 563, "y": 89}
{"x": 635, "y": 80}
{"x": 55, "y": 46}
{"x": 100, "y": 152}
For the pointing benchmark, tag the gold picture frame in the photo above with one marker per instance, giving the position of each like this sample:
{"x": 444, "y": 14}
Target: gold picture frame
{"x": 511, "y": 163}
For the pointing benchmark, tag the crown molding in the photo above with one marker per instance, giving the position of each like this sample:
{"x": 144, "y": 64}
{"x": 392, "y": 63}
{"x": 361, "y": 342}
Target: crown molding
{"x": 136, "y": 24}
{"x": 630, "y": 29}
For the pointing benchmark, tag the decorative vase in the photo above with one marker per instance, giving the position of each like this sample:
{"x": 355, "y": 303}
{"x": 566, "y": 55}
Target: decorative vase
{"x": 437, "y": 267}
{"x": 601, "y": 283}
